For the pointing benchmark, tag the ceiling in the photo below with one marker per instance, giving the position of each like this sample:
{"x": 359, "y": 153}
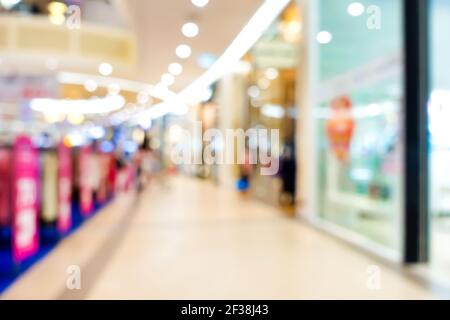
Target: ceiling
{"x": 157, "y": 25}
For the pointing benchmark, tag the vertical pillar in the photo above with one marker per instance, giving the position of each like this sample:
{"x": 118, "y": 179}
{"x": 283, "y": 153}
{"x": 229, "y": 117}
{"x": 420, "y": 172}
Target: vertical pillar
{"x": 305, "y": 127}
{"x": 415, "y": 17}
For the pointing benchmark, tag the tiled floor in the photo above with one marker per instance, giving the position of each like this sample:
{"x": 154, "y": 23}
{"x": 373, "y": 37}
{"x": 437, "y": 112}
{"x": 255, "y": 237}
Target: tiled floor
{"x": 198, "y": 241}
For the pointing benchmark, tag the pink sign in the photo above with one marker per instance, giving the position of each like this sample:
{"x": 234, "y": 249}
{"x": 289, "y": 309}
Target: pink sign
{"x": 5, "y": 186}
{"x": 64, "y": 189}
{"x": 25, "y": 199}
{"x": 86, "y": 192}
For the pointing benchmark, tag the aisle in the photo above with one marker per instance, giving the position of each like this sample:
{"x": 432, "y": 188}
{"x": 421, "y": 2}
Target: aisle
{"x": 196, "y": 240}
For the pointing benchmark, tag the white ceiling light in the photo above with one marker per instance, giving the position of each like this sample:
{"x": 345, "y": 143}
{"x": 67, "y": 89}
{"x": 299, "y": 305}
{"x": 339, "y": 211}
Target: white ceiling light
{"x": 190, "y": 30}
{"x": 105, "y": 69}
{"x": 324, "y": 37}
{"x": 167, "y": 79}
{"x": 90, "y": 85}
{"x": 271, "y": 73}
{"x": 263, "y": 83}
{"x": 175, "y": 68}
{"x": 200, "y": 3}
{"x": 91, "y": 106}
{"x": 355, "y": 9}
{"x": 183, "y": 51}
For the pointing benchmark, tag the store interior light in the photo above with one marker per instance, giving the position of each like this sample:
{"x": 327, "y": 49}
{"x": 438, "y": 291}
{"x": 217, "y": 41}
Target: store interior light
{"x": 190, "y": 30}
{"x": 200, "y": 3}
{"x": 263, "y": 83}
{"x": 355, "y": 9}
{"x": 105, "y": 69}
{"x": 254, "y": 92}
{"x": 273, "y": 111}
{"x": 57, "y": 11}
{"x": 183, "y": 51}
{"x": 91, "y": 106}
{"x": 271, "y": 73}
{"x": 324, "y": 37}
{"x": 175, "y": 68}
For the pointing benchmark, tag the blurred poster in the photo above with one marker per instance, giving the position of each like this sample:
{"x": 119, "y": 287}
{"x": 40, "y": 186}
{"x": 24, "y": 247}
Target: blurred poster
{"x": 86, "y": 191}
{"x": 340, "y": 127}
{"x": 5, "y": 187}
{"x": 49, "y": 186}
{"x": 25, "y": 199}
{"x": 64, "y": 189}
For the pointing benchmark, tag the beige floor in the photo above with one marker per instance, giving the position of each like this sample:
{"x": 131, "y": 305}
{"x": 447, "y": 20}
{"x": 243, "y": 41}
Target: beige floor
{"x": 197, "y": 241}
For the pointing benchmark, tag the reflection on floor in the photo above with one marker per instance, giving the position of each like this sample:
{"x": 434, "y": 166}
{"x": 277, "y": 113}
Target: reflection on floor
{"x": 195, "y": 240}
{"x": 440, "y": 250}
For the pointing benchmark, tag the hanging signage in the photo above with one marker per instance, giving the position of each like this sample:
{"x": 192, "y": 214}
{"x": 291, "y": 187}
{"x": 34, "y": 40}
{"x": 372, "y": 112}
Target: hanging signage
{"x": 86, "y": 192}
{"x": 64, "y": 189}
{"x": 25, "y": 240}
{"x": 275, "y": 54}
{"x": 340, "y": 127}
{"x": 5, "y": 186}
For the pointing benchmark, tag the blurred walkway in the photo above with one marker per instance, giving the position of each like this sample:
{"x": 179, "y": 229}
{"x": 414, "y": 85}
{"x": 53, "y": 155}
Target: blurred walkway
{"x": 195, "y": 240}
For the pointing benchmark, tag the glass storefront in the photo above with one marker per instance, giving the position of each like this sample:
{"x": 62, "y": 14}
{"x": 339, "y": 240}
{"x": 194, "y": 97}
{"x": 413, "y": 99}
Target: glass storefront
{"x": 272, "y": 104}
{"x": 357, "y": 117}
{"x": 439, "y": 114}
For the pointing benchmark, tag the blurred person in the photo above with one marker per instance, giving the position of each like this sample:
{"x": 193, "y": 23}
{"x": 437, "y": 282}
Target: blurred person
{"x": 246, "y": 170}
{"x": 288, "y": 174}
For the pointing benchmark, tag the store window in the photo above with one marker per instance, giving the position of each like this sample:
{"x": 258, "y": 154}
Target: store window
{"x": 272, "y": 104}
{"x": 358, "y": 120}
{"x": 439, "y": 116}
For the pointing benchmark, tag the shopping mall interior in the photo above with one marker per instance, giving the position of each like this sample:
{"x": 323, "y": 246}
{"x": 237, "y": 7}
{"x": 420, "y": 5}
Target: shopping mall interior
{"x": 224, "y": 149}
